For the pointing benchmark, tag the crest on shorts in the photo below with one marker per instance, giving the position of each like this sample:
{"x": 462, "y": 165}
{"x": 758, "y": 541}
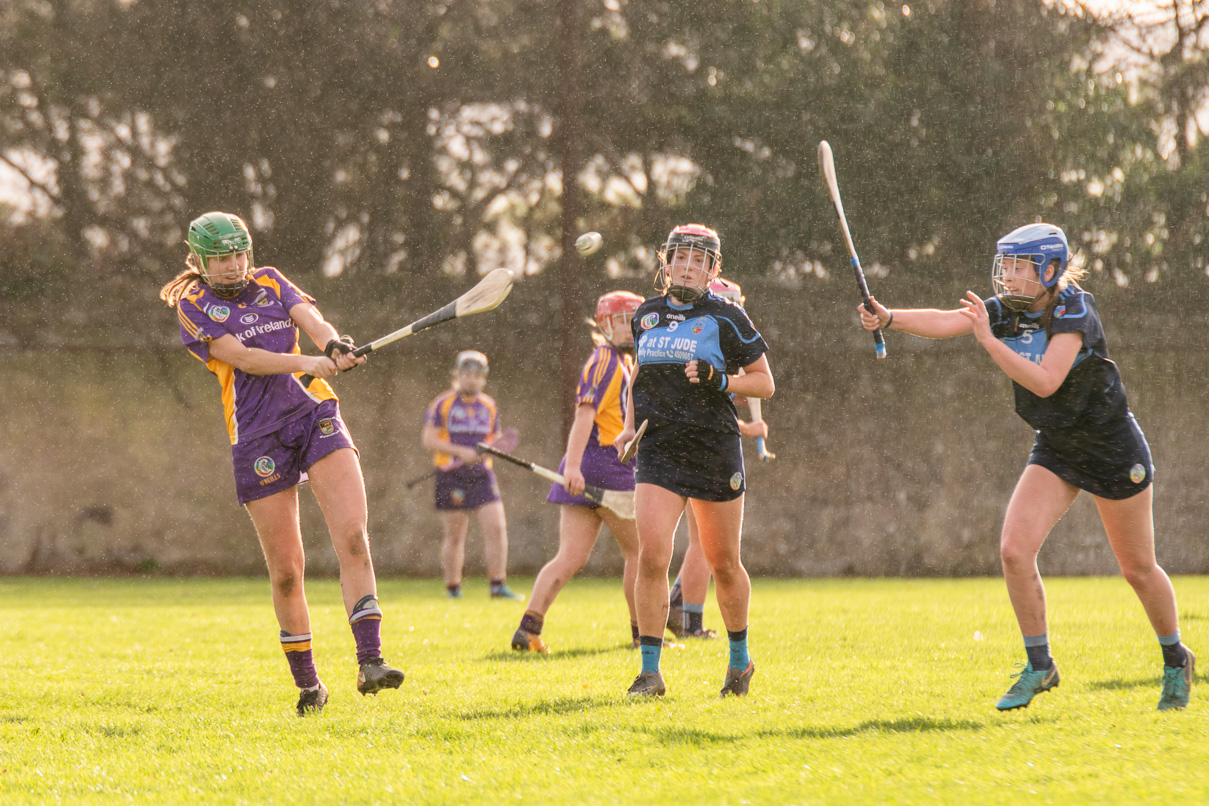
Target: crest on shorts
{"x": 219, "y": 313}
{"x": 264, "y": 466}
{"x": 1137, "y": 474}
{"x": 649, "y": 321}
{"x": 458, "y": 497}
{"x": 327, "y": 427}
{"x": 736, "y": 481}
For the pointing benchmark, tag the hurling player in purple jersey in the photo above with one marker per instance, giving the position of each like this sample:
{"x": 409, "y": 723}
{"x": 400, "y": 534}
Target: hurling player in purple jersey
{"x": 691, "y": 346}
{"x": 591, "y": 459}
{"x": 454, "y": 423}
{"x": 242, "y": 322}
{"x": 1044, "y": 332}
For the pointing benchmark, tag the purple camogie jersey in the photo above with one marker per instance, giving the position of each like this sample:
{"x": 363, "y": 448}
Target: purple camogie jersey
{"x": 604, "y": 384}
{"x": 259, "y": 316}
{"x": 464, "y": 421}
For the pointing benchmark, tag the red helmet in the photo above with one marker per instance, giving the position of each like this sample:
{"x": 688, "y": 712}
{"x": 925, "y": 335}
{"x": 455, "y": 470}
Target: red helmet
{"x": 614, "y": 311}
{"x": 727, "y": 290}
{"x": 690, "y": 238}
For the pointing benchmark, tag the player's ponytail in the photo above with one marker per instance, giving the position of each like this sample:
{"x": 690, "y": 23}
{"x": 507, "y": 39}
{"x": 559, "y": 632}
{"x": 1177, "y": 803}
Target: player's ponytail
{"x": 181, "y": 284}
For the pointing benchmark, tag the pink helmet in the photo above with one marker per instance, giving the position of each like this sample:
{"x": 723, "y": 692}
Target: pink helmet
{"x": 614, "y": 311}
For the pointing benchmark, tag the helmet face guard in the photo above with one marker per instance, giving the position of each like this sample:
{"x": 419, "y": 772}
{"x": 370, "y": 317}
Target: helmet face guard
{"x": 690, "y": 259}
{"x": 470, "y": 371}
{"x": 613, "y": 314}
{"x": 1021, "y": 260}
{"x": 218, "y": 235}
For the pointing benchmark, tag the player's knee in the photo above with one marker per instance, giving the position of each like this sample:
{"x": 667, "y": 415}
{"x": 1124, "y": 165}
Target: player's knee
{"x": 1137, "y": 574}
{"x": 356, "y": 542}
{"x": 1014, "y": 551}
{"x": 288, "y": 581}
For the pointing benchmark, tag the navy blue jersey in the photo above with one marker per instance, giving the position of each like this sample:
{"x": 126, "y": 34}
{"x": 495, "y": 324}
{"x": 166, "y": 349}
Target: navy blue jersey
{"x": 1092, "y": 391}
{"x": 667, "y": 336}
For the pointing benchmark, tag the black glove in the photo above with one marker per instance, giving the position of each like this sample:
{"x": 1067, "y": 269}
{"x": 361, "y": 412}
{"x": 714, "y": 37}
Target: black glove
{"x": 710, "y": 378}
{"x": 339, "y": 346}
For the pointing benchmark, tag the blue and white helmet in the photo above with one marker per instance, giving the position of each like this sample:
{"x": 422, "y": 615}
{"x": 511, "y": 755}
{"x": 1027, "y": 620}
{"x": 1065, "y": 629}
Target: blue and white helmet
{"x": 1040, "y": 245}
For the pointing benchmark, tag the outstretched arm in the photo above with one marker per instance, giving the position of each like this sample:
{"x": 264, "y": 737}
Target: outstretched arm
{"x": 930, "y": 323}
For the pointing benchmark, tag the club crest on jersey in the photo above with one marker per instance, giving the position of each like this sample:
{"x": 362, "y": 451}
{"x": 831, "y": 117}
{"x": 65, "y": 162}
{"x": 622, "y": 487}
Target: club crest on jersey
{"x": 649, "y": 321}
{"x": 327, "y": 427}
{"x": 697, "y": 328}
{"x": 736, "y": 481}
{"x": 248, "y": 319}
{"x": 264, "y": 466}
{"x": 1137, "y": 474}
{"x": 1059, "y": 312}
{"x": 263, "y": 301}
{"x": 219, "y": 313}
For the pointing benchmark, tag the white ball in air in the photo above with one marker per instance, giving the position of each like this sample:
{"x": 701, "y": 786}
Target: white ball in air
{"x": 588, "y": 243}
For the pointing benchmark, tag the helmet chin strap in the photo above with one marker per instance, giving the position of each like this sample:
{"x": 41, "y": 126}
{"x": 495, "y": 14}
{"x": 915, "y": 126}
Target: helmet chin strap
{"x": 684, "y": 293}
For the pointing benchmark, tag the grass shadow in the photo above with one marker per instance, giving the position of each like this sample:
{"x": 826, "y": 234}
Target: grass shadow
{"x": 565, "y": 705}
{"x": 697, "y": 738}
{"x": 570, "y": 654}
{"x": 1121, "y": 684}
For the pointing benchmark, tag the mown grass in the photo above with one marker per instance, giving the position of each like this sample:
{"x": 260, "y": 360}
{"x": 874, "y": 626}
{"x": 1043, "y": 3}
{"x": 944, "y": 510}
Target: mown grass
{"x": 866, "y": 691}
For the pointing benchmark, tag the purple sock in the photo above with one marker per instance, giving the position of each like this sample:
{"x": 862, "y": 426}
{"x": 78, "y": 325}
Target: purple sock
{"x": 366, "y": 622}
{"x": 302, "y": 662}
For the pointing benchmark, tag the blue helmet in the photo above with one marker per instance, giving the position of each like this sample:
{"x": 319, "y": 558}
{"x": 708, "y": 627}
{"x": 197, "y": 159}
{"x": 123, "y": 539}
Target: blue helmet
{"x": 1039, "y": 244}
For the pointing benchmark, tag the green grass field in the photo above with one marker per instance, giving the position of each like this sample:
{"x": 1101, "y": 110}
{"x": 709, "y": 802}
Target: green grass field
{"x": 866, "y": 691}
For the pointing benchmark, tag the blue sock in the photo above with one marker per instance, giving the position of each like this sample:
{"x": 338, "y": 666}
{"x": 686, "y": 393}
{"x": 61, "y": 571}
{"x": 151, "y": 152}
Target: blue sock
{"x": 651, "y": 647}
{"x": 738, "y": 648}
{"x": 1173, "y": 651}
{"x": 1037, "y": 647}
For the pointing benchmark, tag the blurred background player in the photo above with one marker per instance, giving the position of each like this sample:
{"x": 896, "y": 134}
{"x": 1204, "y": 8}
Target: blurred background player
{"x": 690, "y": 348}
{"x": 591, "y": 459}
{"x": 454, "y": 423}
{"x": 242, "y": 322}
{"x": 686, "y": 602}
{"x": 1044, "y": 332}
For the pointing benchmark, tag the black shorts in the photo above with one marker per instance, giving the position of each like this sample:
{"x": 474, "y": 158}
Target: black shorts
{"x": 1109, "y": 460}
{"x": 691, "y": 461}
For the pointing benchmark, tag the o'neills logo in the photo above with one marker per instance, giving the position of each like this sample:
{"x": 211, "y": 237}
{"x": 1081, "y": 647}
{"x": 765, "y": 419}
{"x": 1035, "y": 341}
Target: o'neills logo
{"x": 219, "y": 313}
{"x": 264, "y": 466}
{"x": 649, "y": 321}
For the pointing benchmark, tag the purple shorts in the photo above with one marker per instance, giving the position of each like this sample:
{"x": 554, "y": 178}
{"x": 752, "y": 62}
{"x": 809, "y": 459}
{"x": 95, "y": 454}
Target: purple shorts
{"x": 466, "y": 488}
{"x": 601, "y": 469}
{"x": 277, "y": 461}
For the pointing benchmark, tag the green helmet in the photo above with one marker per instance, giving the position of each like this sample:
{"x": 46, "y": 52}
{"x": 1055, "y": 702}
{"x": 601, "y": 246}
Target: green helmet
{"x": 215, "y": 234}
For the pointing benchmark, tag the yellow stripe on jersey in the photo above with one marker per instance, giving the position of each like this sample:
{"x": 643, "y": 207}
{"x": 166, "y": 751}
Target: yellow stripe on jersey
{"x": 443, "y": 405}
{"x": 609, "y": 414}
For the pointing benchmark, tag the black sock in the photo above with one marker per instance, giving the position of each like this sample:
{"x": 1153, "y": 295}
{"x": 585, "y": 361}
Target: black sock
{"x": 1174, "y": 655}
{"x": 693, "y": 621}
{"x": 532, "y": 623}
{"x": 1037, "y": 647}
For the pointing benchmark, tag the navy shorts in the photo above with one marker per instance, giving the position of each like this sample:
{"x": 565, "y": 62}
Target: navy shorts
{"x": 274, "y": 462}
{"x": 691, "y": 461}
{"x": 1109, "y": 460}
{"x": 465, "y": 488}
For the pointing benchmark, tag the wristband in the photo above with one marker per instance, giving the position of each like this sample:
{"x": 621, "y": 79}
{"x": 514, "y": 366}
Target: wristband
{"x": 889, "y": 321}
{"x": 342, "y": 345}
